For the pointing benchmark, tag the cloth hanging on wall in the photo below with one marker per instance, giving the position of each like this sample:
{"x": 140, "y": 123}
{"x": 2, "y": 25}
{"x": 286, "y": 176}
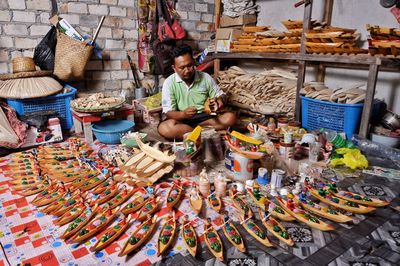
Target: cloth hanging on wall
{"x": 235, "y": 8}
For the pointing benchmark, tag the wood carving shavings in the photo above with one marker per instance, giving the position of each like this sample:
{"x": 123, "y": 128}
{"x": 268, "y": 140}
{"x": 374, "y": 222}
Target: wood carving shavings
{"x": 351, "y": 95}
{"x": 267, "y": 92}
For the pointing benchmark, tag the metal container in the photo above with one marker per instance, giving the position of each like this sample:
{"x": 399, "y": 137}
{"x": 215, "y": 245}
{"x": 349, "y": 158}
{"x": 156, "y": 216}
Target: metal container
{"x": 140, "y": 93}
{"x": 391, "y": 120}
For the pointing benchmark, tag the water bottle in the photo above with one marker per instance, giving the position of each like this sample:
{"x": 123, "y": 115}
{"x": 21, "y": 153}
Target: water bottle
{"x": 203, "y": 56}
{"x": 336, "y": 139}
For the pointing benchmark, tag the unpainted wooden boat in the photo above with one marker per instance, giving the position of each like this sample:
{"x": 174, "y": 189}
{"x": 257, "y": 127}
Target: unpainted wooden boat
{"x": 195, "y": 201}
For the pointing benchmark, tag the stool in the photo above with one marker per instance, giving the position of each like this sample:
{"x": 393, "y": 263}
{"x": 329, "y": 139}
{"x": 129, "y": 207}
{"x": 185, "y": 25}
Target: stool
{"x": 83, "y": 121}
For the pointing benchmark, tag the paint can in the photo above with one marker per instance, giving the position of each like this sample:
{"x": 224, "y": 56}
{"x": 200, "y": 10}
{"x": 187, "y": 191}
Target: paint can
{"x": 242, "y": 167}
{"x": 262, "y": 178}
{"x": 140, "y": 93}
{"x": 276, "y": 177}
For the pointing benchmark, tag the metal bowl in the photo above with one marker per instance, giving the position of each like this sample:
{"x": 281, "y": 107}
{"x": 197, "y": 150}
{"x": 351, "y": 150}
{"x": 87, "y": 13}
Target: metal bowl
{"x": 391, "y": 120}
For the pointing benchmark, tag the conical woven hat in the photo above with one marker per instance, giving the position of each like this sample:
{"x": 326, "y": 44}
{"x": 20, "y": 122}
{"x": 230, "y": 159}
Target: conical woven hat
{"x": 25, "y": 88}
{"x": 27, "y": 82}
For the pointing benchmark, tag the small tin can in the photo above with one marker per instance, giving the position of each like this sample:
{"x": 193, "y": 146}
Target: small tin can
{"x": 262, "y": 178}
{"x": 286, "y": 149}
{"x": 288, "y": 137}
{"x": 276, "y": 177}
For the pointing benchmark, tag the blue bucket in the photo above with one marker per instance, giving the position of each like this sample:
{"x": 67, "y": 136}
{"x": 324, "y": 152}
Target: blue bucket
{"x": 110, "y": 131}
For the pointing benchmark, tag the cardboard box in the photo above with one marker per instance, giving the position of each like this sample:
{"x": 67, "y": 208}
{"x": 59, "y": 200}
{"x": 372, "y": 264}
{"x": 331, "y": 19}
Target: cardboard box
{"x": 52, "y": 133}
{"x": 224, "y": 38}
{"x": 227, "y": 21}
{"x": 145, "y": 115}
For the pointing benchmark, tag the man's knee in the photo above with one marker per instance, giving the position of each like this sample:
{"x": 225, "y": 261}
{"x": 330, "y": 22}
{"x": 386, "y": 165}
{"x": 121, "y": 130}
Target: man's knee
{"x": 166, "y": 128}
{"x": 229, "y": 119}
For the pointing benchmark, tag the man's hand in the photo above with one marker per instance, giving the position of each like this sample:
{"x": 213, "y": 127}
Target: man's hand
{"x": 216, "y": 104}
{"x": 189, "y": 112}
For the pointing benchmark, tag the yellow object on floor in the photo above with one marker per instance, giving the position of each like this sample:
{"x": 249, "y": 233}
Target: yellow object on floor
{"x": 352, "y": 158}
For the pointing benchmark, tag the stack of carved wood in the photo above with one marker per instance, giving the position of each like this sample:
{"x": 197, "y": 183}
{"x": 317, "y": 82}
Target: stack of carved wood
{"x": 384, "y": 41}
{"x": 333, "y": 40}
{"x": 268, "y": 92}
{"x": 148, "y": 164}
{"x": 319, "y": 91}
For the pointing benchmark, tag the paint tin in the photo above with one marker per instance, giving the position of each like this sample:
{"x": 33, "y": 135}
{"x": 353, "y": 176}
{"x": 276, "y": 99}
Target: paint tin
{"x": 242, "y": 168}
{"x": 262, "y": 178}
{"x": 288, "y": 137}
{"x": 276, "y": 177}
{"x": 286, "y": 149}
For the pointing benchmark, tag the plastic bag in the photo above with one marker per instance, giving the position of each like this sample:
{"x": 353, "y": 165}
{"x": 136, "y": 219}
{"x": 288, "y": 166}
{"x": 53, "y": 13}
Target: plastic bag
{"x": 45, "y": 50}
{"x": 351, "y": 158}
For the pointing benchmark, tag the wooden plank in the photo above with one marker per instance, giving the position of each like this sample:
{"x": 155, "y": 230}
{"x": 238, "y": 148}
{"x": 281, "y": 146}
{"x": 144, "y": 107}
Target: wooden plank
{"x": 369, "y": 99}
{"x": 328, "y": 9}
{"x": 301, "y": 73}
{"x": 306, "y": 24}
{"x": 217, "y": 13}
{"x": 217, "y": 66}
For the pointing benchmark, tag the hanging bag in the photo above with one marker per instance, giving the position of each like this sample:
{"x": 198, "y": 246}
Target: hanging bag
{"x": 71, "y": 57}
{"x": 168, "y": 28}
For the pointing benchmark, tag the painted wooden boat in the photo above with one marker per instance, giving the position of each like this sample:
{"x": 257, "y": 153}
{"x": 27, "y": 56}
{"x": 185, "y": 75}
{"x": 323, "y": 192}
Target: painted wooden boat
{"x": 350, "y": 206}
{"x": 167, "y": 234}
{"x": 325, "y": 212}
{"x": 189, "y": 236}
{"x": 139, "y": 236}
{"x": 347, "y": 195}
{"x": 239, "y": 203}
{"x": 103, "y": 186}
{"x": 255, "y": 231}
{"x": 233, "y": 236}
{"x": 149, "y": 208}
{"x": 95, "y": 226}
{"x": 79, "y": 222}
{"x": 122, "y": 196}
{"x": 50, "y": 189}
{"x": 69, "y": 204}
{"x": 213, "y": 241}
{"x": 174, "y": 195}
{"x": 214, "y": 202}
{"x": 71, "y": 214}
{"x": 49, "y": 198}
{"x": 81, "y": 180}
{"x": 303, "y": 216}
{"x": 195, "y": 201}
{"x": 94, "y": 182}
{"x": 112, "y": 233}
{"x": 105, "y": 196}
{"x": 32, "y": 191}
{"x": 55, "y": 205}
{"x": 277, "y": 229}
{"x": 136, "y": 204}
{"x": 276, "y": 212}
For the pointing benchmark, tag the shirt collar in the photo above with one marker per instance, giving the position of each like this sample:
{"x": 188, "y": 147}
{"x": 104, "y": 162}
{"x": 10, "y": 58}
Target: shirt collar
{"x": 196, "y": 78}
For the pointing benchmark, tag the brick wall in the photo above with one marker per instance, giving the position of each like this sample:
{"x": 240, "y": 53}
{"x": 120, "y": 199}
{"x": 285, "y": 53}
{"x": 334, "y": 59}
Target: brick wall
{"x": 23, "y": 23}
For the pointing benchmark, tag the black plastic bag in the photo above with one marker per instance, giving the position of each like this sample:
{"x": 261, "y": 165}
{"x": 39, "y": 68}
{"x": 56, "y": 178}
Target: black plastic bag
{"x": 163, "y": 58}
{"x": 45, "y": 50}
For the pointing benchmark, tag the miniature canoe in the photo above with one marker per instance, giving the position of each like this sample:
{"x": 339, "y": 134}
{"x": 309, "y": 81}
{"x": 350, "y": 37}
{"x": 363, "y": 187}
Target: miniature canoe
{"x": 328, "y": 213}
{"x": 55, "y": 205}
{"x": 174, "y": 195}
{"x": 79, "y": 222}
{"x": 117, "y": 200}
{"x": 49, "y": 198}
{"x": 103, "y": 186}
{"x": 350, "y": 206}
{"x": 274, "y": 227}
{"x": 347, "y": 195}
{"x": 233, "y": 235}
{"x": 213, "y": 242}
{"x": 92, "y": 183}
{"x": 214, "y": 202}
{"x": 305, "y": 217}
{"x": 277, "y": 211}
{"x": 167, "y": 234}
{"x": 255, "y": 231}
{"x": 239, "y": 203}
{"x": 50, "y": 189}
{"x": 111, "y": 234}
{"x": 32, "y": 191}
{"x": 68, "y": 205}
{"x": 70, "y": 215}
{"x": 149, "y": 208}
{"x": 195, "y": 201}
{"x": 95, "y": 226}
{"x": 135, "y": 204}
{"x": 190, "y": 238}
{"x": 105, "y": 196}
{"x": 139, "y": 236}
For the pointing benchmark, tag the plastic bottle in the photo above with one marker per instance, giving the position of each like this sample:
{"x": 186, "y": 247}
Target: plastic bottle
{"x": 335, "y": 138}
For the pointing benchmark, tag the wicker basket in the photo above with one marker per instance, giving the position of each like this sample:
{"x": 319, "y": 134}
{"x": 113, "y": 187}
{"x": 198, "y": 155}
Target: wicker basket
{"x": 71, "y": 58}
{"x": 23, "y": 64}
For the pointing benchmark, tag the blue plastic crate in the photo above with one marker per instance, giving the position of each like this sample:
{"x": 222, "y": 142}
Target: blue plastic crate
{"x": 58, "y": 102}
{"x": 110, "y": 131}
{"x": 316, "y": 114}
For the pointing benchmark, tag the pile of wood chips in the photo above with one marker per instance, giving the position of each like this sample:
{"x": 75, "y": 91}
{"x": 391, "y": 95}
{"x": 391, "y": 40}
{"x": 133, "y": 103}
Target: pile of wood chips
{"x": 268, "y": 92}
{"x": 319, "y": 91}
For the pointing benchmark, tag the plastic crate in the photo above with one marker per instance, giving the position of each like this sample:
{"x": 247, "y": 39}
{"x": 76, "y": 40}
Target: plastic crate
{"x": 318, "y": 114}
{"x": 59, "y": 103}
{"x": 110, "y": 131}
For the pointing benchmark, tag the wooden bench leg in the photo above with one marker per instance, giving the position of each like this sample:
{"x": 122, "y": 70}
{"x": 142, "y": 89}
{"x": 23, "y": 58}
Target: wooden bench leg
{"x": 87, "y": 130}
{"x": 77, "y": 125}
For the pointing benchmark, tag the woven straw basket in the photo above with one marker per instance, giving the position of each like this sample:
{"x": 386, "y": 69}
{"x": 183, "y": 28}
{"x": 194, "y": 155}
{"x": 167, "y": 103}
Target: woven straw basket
{"x": 71, "y": 58}
{"x": 23, "y": 64}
